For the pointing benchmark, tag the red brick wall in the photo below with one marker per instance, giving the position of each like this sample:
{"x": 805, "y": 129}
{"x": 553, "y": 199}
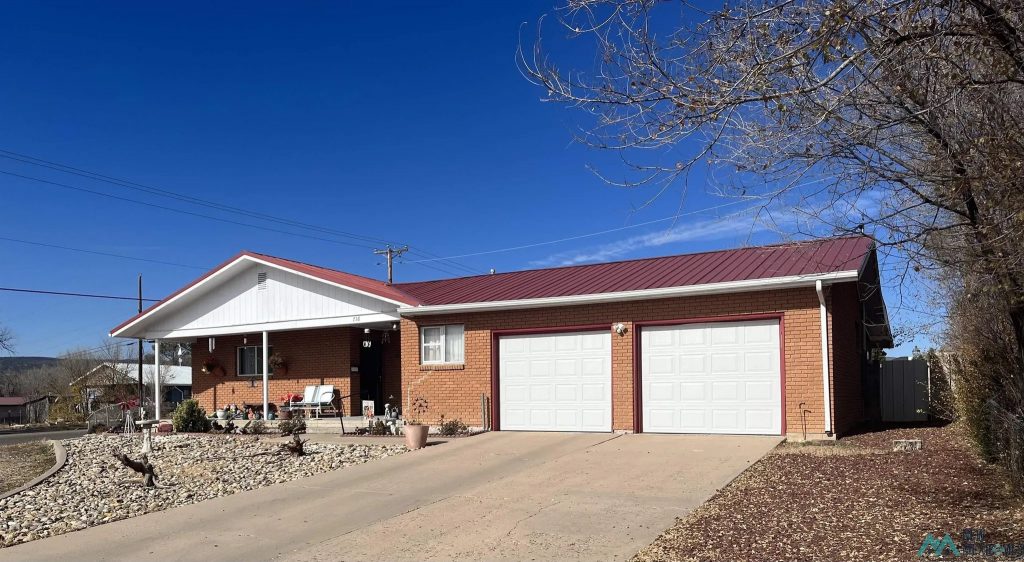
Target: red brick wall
{"x": 320, "y": 356}
{"x": 455, "y": 391}
{"x": 845, "y": 339}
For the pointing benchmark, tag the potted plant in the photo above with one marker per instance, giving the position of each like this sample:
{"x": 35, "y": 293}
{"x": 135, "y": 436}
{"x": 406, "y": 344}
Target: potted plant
{"x": 278, "y": 364}
{"x": 416, "y": 431}
{"x": 210, "y": 365}
{"x": 285, "y": 411}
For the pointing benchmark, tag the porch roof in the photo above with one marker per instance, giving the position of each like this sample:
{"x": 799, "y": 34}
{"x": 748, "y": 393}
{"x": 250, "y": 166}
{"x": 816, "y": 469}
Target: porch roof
{"x": 283, "y": 295}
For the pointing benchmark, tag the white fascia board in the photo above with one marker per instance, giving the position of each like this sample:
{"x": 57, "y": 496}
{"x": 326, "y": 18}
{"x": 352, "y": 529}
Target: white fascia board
{"x": 121, "y": 332}
{"x": 667, "y": 292}
{"x": 227, "y": 268}
{"x": 337, "y": 321}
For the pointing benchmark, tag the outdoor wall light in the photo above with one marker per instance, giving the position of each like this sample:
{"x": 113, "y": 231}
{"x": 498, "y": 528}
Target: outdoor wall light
{"x": 619, "y": 328}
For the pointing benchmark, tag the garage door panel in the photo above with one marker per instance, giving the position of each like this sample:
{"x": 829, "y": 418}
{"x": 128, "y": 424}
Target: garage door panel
{"x": 663, "y": 364}
{"x": 761, "y": 362}
{"x": 515, "y": 394}
{"x": 759, "y": 391}
{"x": 726, "y": 363}
{"x": 725, "y": 420}
{"x": 691, "y": 364}
{"x": 725, "y": 391}
{"x": 566, "y": 392}
{"x": 724, "y": 335}
{"x": 692, "y": 391}
{"x": 569, "y": 381}
{"x": 594, "y": 367}
{"x": 712, "y": 378}
{"x": 759, "y": 419}
{"x": 566, "y": 367}
{"x": 540, "y": 393}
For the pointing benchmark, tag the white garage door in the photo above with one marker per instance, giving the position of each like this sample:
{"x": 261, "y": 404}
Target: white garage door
{"x": 712, "y": 378}
{"x": 556, "y": 382}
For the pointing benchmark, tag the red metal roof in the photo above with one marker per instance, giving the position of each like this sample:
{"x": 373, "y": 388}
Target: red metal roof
{"x": 12, "y": 401}
{"x": 822, "y": 256}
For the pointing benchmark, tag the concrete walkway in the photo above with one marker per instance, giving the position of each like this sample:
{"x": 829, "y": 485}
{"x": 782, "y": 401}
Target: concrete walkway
{"x": 506, "y": 495}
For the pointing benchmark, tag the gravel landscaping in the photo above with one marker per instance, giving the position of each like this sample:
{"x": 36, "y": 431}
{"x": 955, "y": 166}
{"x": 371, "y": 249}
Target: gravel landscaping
{"x": 854, "y": 500}
{"x": 23, "y": 462}
{"x": 94, "y": 488}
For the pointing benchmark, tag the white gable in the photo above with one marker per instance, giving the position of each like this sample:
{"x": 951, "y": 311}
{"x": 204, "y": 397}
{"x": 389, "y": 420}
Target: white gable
{"x": 254, "y": 297}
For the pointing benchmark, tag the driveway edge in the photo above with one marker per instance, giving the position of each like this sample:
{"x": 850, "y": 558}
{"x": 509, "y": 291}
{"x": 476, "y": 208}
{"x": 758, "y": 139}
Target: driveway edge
{"x": 60, "y": 455}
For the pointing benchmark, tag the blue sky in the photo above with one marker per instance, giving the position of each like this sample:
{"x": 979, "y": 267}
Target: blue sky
{"x": 399, "y": 121}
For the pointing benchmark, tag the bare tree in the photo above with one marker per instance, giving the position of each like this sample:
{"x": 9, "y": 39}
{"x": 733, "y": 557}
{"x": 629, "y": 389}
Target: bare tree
{"x": 898, "y": 118}
{"x": 6, "y": 340}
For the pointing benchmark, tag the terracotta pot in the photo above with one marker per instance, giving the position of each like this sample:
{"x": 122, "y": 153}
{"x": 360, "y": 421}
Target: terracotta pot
{"x": 285, "y": 414}
{"x": 281, "y": 371}
{"x": 416, "y": 436}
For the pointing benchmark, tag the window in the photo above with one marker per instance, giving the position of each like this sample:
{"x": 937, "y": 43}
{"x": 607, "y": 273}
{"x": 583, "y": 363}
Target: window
{"x": 442, "y": 344}
{"x": 250, "y": 360}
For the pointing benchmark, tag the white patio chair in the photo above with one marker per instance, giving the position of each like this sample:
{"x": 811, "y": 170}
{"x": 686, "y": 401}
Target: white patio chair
{"x": 324, "y": 400}
{"x": 309, "y": 398}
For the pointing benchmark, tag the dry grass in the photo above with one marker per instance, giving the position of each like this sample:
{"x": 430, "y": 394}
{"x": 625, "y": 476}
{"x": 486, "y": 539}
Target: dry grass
{"x": 23, "y": 462}
{"x": 855, "y": 500}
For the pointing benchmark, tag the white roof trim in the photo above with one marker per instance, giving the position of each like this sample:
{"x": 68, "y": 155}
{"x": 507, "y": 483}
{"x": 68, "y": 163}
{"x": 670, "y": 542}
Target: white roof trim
{"x": 279, "y": 326}
{"x": 220, "y": 272}
{"x": 667, "y": 292}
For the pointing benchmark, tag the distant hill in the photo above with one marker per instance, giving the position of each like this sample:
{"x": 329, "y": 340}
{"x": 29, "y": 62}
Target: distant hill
{"x": 8, "y": 364}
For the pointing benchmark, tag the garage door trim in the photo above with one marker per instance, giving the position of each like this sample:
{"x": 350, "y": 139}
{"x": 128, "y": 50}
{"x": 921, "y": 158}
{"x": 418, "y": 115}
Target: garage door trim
{"x": 638, "y": 418}
{"x": 495, "y": 365}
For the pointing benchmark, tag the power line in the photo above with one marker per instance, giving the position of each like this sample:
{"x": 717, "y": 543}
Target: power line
{"x": 182, "y": 211}
{"x": 32, "y": 160}
{"x": 69, "y": 294}
{"x": 581, "y": 236}
{"x": 177, "y": 196}
{"x": 98, "y": 253}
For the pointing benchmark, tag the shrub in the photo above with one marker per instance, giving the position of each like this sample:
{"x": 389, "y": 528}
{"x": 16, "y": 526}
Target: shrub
{"x": 288, "y": 427}
{"x": 257, "y": 427}
{"x": 452, "y": 427}
{"x": 189, "y": 417}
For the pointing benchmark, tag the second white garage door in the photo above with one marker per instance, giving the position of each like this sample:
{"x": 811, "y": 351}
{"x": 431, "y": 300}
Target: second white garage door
{"x": 720, "y": 377}
{"x": 555, "y": 382}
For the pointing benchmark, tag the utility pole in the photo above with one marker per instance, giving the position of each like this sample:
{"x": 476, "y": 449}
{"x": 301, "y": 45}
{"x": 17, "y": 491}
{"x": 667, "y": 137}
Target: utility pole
{"x": 142, "y": 388}
{"x": 391, "y": 253}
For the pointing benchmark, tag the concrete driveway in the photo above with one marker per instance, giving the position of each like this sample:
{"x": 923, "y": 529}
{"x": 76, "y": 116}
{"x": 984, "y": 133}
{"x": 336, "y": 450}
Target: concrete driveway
{"x": 505, "y": 495}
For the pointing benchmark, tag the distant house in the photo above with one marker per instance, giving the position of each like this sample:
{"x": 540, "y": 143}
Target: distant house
{"x": 114, "y": 382}
{"x": 16, "y": 409}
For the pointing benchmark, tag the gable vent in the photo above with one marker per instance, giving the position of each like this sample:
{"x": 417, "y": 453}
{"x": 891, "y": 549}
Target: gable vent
{"x": 261, "y": 280}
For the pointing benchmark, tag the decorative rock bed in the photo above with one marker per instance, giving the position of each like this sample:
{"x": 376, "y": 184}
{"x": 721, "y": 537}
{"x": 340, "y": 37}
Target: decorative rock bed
{"x": 94, "y": 488}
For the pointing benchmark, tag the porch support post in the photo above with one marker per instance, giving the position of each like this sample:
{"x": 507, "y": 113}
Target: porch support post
{"x": 266, "y": 374}
{"x": 156, "y": 377}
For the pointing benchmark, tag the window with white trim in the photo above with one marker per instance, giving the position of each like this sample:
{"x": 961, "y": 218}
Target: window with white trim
{"x": 442, "y": 344}
{"x": 250, "y": 360}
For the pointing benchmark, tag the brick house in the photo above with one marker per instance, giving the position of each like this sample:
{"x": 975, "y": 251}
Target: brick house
{"x": 763, "y": 340}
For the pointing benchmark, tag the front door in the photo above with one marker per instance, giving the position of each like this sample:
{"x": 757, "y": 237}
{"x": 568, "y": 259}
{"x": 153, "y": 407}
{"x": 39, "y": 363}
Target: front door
{"x": 371, "y": 383}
